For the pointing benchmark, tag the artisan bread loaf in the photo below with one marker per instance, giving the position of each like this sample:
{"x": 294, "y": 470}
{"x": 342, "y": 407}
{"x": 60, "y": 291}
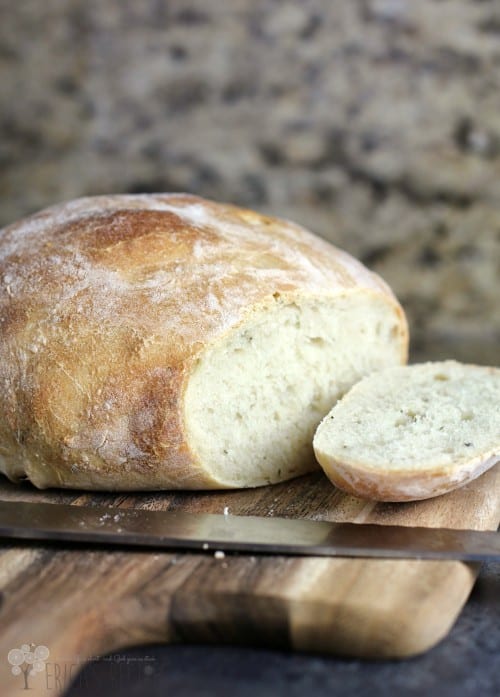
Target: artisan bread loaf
{"x": 165, "y": 341}
{"x": 412, "y": 432}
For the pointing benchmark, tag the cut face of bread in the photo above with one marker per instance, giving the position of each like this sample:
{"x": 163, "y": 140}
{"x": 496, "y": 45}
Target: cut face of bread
{"x": 412, "y": 432}
{"x": 255, "y": 399}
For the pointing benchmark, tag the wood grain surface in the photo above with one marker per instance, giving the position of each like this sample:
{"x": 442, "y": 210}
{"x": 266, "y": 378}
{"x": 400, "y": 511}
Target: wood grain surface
{"x": 82, "y": 602}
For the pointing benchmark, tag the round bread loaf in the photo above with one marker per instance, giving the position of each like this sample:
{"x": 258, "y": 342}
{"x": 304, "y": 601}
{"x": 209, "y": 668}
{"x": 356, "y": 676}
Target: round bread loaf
{"x": 165, "y": 341}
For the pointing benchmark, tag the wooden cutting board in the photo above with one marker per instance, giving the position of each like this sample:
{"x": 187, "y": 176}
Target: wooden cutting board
{"x": 83, "y": 602}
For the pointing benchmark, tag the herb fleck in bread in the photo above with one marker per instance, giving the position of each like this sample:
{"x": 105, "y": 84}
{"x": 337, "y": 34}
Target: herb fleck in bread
{"x": 165, "y": 341}
{"x": 412, "y": 432}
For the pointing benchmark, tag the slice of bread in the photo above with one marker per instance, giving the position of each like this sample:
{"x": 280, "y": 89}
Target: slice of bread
{"x": 412, "y": 432}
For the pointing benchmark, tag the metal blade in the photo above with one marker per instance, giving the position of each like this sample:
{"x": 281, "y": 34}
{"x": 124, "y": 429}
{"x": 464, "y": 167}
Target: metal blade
{"x": 251, "y": 534}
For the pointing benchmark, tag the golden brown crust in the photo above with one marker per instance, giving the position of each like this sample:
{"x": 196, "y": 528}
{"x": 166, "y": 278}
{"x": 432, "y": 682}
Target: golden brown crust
{"x": 401, "y": 485}
{"x": 104, "y": 304}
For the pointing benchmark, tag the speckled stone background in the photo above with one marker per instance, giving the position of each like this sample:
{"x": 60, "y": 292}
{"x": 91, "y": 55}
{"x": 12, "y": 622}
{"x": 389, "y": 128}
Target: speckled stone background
{"x": 376, "y": 123}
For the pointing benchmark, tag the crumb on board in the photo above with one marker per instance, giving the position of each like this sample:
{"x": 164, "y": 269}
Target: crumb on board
{"x": 219, "y": 554}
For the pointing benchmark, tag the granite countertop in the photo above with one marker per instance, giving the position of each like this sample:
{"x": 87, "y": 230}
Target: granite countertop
{"x": 376, "y": 123}
{"x": 465, "y": 664}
